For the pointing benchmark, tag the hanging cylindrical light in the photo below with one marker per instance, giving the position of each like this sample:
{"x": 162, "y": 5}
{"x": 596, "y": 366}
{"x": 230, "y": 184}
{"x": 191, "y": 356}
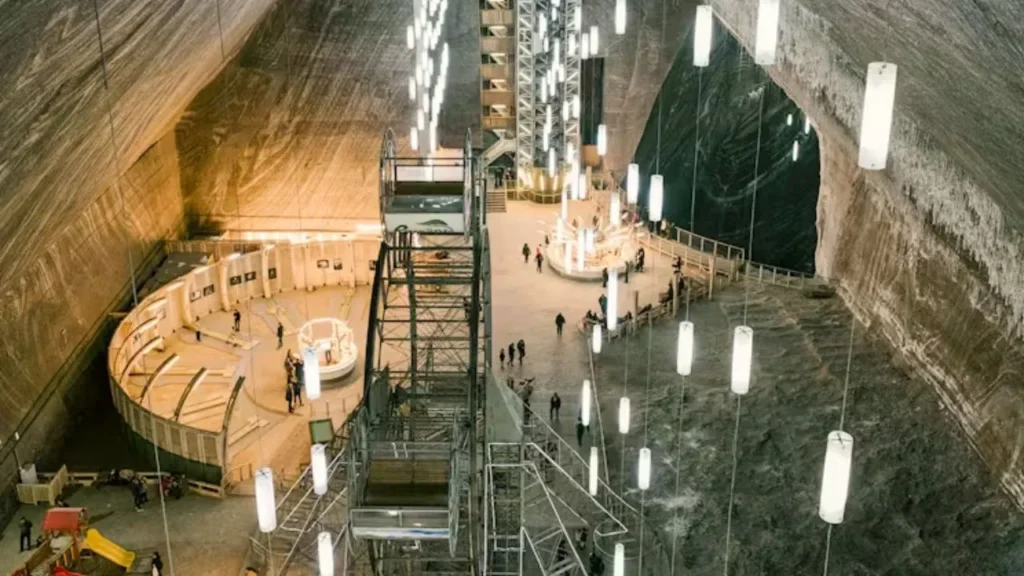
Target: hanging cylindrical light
{"x": 318, "y": 464}
{"x": 632, "y": 183}
{"x": 684, "y": 349}
{"x": 615, "y": 212}
{"x": 577, "y": 18}
{"x": 585, "y": 46}
{"x": 807, "y": 125}
{"x": 414, "y": 138}
{"x": 593, "y": 41}
{"x": 602, "y": 140}
{"x": 620, "y": 17}
{"x": 835, "y": 480}
{"x": 619, "y": 564}
{"x": 613, "y": 299}
{"x": 585, "y": 403}
{"x": 543, "y": 92}
{"x": 595, "y": 340}
{"x": 789, "y": 119}
{"x": 576, "y": 106}
{"x": 643, "y": 469}
{"x": 426, "y": 103}
{"x": 325, "y": 554}
{"x": 311, "y": 372}
{"x": 565, "y": 110}
{"x": 767, "y": 32}
{"x": 572, "y": 45}
{"x": 876, "y": 120}
{"x": 266, "y": 506}
{"x": 556, "y": 50}
{"x": 551, "y": 163}
{"x": 546, "y": 138}
{"x": 419, "y": 76}
{"x": 624, "y": 415}
{"x": 742, "y": 356}
{"x": 419, "y": 119}
{"x": 410, "y": 37}
{"x": 796, "y": 151}
{"x": 591, "y": 240}
{"x": 703, "y": 27}
{"x": 581, "y": 190}
{"x": 433, "y": 137}
{"x": 592, "y": 477}
{"x": 412, "y": 89}
{"x": 655, "y": 198}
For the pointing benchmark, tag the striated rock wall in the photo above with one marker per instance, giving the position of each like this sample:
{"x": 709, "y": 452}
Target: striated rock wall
{"x": 289, "y": 135}
{"x": 926, "y": 252}
{"x": 68, "y": 227}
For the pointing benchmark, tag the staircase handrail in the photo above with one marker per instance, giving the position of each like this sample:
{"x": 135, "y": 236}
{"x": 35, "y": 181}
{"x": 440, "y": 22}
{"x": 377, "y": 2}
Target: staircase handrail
{"x": 531, "y": 468}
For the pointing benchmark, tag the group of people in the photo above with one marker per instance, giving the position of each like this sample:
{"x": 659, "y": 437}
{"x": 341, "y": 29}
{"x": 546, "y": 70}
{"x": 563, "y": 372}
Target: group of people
{"x": 539, "y": 257}
{"x": 519, "y": 347}
{"x": 296, "y": 379}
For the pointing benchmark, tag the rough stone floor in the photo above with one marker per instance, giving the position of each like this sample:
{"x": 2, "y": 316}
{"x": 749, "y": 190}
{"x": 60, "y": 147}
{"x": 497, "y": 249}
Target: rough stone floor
{"x": 921, "y": 501}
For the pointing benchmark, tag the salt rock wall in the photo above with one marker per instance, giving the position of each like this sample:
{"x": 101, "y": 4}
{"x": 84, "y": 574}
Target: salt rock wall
{"x": 745, "y": 122}
{"x": 289, "y": 135}
{"x": 636, "y": 64}
{"x": 926, "y": 252}
{"x": 68, "y": 227}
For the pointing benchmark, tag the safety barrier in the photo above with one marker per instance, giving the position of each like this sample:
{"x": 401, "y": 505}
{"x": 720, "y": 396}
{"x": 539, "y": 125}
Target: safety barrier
{"x": 91, "y": 478}
{"x": 765, "y": 274}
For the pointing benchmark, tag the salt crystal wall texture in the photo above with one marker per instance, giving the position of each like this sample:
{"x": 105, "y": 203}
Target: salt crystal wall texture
{"x": 929, "y": 251}
{"x": 744, "y": 121}
{"x": 68, "y": 226}
{"x": 289, "y": 135}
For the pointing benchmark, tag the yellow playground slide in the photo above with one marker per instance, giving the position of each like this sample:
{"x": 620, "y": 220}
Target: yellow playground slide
{"x": 100, "y": 545}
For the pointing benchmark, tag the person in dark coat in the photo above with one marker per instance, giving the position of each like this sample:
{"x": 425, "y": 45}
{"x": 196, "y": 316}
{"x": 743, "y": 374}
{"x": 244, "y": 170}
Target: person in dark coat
{"x": 501, "y": 358}
{"x": 580, "y": 428}
{"x": 596, "y": 564}
{"x": 540, "y": 261}
{"x": 297, "y": 391}
{"x": 25, "y": 529}
{"x": 526, "y": 253}
{"x": 556, "y": 404}
{"x": 280, "y": 336}
{"x": 511, "y": 354}
{"x": 559, "y": 322}
{"x": 158, "y": 564}
{"x": 289, "y": 395}
{"x": 521, "y": 345}
{"x": 604, "y": 277}
{"x": 238, "y": 320}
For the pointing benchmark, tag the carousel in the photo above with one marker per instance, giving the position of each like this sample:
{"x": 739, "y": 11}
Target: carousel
{"x": 332, "y": 341}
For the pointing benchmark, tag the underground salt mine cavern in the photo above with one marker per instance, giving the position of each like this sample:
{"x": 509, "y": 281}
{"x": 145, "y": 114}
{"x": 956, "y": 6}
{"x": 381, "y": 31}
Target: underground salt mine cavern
{"x": 512, "y": 287}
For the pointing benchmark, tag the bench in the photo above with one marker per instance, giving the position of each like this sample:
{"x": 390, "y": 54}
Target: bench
{"x": 200, "y": 410}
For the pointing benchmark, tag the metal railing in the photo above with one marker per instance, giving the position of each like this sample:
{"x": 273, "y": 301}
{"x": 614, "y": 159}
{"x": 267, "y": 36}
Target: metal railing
{"x": 765, "y": 274}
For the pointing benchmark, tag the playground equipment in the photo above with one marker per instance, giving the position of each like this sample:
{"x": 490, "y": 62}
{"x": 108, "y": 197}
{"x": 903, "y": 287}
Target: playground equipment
{"x": 103, "y": 547}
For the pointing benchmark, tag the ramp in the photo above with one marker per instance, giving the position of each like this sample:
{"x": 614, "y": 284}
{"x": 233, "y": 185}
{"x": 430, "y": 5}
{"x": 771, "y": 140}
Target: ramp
{"x": 100, "y": 545}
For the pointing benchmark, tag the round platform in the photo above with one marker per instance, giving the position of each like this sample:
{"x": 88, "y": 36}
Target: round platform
{"x": 334, "y": 342}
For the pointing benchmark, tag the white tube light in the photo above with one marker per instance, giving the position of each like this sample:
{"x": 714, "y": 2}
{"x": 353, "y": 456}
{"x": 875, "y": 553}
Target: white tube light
{"x": 602, "y": 140}
{"x": 796, "y": 151}
{"x": 613, "y": 299}
{"x": 742, "y": 355}
{"x": 807, "y": 125}
{"x": 684, "y": 349}
{"x": 544, "y": 92}
{"x": 592, "y": 479}
{"x": 546, "y": 138}
{"x": 581, "y": 190}
{"x": 767, "y": 32}
{"x": 565, "y": 110}
{"x": 318, "y": 464}
{"x": 624, "y": 415}
{"x": 789, "y": 119}
{"x": 595, "y": 343}
{"x": 311, "y": 372}
{"x": 426, "y": 103}
{"x": 543, "y": 22}
{"x": 554, "y": 15}
{"x": 410, "y": 37}
{"x": 412, "y": 89}
{"x": 551, "y": 163}
{"x": 266, "y": 507}
{"x": 655, "y": 198}
{"x": 632, "y": 183}
{"x": 576, "y": 106}
{"x": 419, "y": 119}
{"x": 703, "y": 27}
{"x": 556, "y": 50}
{"x": 572, "y": 45}
{"x": 325, "y": 554}
{"x": 620, "y": 17}
{"x": 593, "y": 40}
{"x": 619, "y": 564}
{"x": 577, "y": 18}
{"x": 643, "y": 469}
{"x": 876, "y": 120}
{"x": 615, "y": 212}
{"x": 585, "y": 46}
{"x": 585, "y": 397}
{"x": 433, "y": 137}
{"x": 835, "y": 480}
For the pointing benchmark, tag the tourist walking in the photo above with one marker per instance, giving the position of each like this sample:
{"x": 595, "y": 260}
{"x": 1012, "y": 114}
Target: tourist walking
{"x": 559, "y": 322}
{"x": 596, "y": 564}
{"x": 289, "y": 395}
{"x": 280, "y": 335}
{"x": 501, "y": 358}
{"x": 540, "y": 261}
{"x": 522, "y": 350}
{"x": 25, "y": 527}
{"x": 526, "y": 253}
{"x": 238, "y": 320}
{"x": 556, "y": 404}
{"x": 297, "y": 391}
{"x": 604, "y": 277}
{"x": 580, "y": 428}
{"x": 511, "y": 355}
{"x": 158, "y": 565}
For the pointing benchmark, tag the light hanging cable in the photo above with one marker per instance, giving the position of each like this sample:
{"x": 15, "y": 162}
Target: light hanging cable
{"x": 835, "y": 480}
